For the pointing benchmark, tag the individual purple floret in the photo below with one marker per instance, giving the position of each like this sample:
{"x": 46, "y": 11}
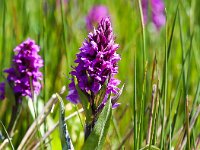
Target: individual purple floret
{"x": 95, "y": 15}
{"x": 2, "y": 90}
{"x": 24, "y": 72}
{"x": 97, "y": 63}
{"x": 157, "y": 12}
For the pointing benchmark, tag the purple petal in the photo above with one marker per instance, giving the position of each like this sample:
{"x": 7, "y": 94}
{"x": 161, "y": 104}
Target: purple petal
{"x": 73, "y": 94}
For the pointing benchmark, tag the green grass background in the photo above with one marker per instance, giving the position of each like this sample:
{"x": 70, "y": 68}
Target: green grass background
{"x": 60, "y": 33}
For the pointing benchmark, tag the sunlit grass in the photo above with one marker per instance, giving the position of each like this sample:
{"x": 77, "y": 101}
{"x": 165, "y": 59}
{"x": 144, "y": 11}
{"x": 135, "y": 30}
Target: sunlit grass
{"x": 167, "y": 116}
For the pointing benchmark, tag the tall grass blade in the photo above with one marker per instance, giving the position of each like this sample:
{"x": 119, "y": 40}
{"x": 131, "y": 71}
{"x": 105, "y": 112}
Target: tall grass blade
{"x": 135, "y": 104}
{"x": 142, "y": 110}
{"x": 64, "y": 135}
{"x": 164, "y": 88}
{"x": 3, "y": 36}
{"x": 7, "y": 135}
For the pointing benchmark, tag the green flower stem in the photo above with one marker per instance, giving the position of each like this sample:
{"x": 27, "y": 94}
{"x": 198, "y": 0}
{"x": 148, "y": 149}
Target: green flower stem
{"x": 16, "y": 110}
{"x": 89, "y": 128}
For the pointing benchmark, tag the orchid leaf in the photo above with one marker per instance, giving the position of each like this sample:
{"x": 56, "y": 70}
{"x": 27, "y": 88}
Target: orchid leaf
{"x": 97, "y": 137}
{"x": 85, "y": 102}
{"x": 101, "y": 94}
{"x": 64, "y": 135}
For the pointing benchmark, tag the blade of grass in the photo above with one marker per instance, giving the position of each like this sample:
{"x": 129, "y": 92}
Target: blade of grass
{"x": 135, "y": 103}
{"x": 7, "y": 135}
{"x": 143, "y": 33}
{"x": 187, "y": 88}
{"x": 3, "y": 36}
{"x": 168, "y": 47}
{"x": 64, "y": 35}
{"x": 187, "y": 124}
{"x": 191, "y": 126}
{"x": 189, "y": 62}
{"x": 154, "y": 117}
{"x": 64, "y": 134}
{"x": 169, "y": 125}
{"x": 174, "y": 120}
{"x": 125, "y": 138}
{"x": 45, "y": 46}
{"x": 114, "y": 122}
{"x": 186, "y": 83}
{"x": 142, "y": 111}
{"x": 183, "y": 57}
{"x": 195, "y": 100}
{"x": 39, "y": 120}
{"x": 153, "y": 98}
{"x": 154, "y": 68}
{"x": 165, "y": 81}
{"x": 48, "y": 133}
{"x": 172, "y": 31}
{"x": 193, "y": 140}
{"x": 16, "y": 111}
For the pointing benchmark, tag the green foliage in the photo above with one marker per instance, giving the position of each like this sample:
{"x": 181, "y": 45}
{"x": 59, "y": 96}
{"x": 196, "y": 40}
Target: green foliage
{"x": 85, "y": 103}
{"x": 168, "y": 58}
{"x": 64, "y": 135}
{"x": 147, "y": 147}
{"x": 97, "y": 137}
{"x": 7, "y": 136}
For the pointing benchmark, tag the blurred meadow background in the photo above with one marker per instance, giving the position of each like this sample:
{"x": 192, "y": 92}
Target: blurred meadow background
{"x": 160, "y": 70}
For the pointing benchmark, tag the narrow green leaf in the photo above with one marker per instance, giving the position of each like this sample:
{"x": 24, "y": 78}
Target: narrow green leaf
{"x": 101, "y": 94}
{"x": 174, "y": 120}
{"x": 85, "y": 103}
{"x": 64, "y": 135}
{"x": 135, "y": 105}
{"x": 172, "y": 33}
{"x": 195, "y": 100}
{"x": 141, "y": 114}
{"x": 187, "y": 123}
{"x": 96, "y": 139}
{"x": 7, "y": 135}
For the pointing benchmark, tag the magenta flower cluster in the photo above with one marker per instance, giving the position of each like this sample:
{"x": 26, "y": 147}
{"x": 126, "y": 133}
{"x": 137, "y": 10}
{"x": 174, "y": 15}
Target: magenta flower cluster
{"x": 95, "y": 15}
{"x": 97, "y": 62}
{"x": 2, "y": 90}
{"x": 24, "y": 72}
{"x": 158, "y": 12}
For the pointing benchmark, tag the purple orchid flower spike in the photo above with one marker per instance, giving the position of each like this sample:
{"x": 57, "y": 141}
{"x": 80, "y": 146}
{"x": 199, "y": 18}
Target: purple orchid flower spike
{"x": 25, "y": 68}
{"x": 93, "y": 80}
{"x": 97, "y": 61}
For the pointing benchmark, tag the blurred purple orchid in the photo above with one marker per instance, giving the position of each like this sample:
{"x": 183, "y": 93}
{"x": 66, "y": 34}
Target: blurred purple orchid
{"x": 24, "y": 72}
{"x": 95, "y": 15}
{"x": 157, "y": 12}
